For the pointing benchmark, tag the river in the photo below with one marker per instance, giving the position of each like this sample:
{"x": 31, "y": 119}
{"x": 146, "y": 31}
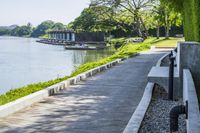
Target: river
{"x": 24, "y": 61}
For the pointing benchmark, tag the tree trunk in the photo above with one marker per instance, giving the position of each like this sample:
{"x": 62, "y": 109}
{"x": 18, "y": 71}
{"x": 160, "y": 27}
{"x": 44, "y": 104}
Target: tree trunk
{"x": 158, "y": 32}
{"x": 145, "y": 33}
{"x": 138, "y": 27}
{"x": 166, "y": 27}
{"x": 167, "y": 31}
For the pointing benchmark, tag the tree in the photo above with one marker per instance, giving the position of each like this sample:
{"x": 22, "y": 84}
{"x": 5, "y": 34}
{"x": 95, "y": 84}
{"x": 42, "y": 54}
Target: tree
{"x": 112, "y": 20}
{"x": 104, "y": 19}
{"x": 135, "y": 7}
{"x": 85, "y": 22}
{"x": 14, "y": 32}
{"x": 24, "y": 30}
{"x": 164, "y": 16}
{"x": 42, "y": 28}
{"x": 4, "y": 31}
{"x": 58, "y": 26}
{"x": 29, "y": 25}
{"x": 93, "y": 19}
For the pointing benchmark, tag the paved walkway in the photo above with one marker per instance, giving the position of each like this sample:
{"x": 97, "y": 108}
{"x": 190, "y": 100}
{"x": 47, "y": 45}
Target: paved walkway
{"x": 101, "y": 104}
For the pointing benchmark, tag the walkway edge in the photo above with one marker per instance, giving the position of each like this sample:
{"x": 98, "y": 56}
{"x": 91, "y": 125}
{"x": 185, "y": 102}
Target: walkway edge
{"x": 135, "y": 122}
{"x": 138, "y": 116}
{"x": 29, "y": 100}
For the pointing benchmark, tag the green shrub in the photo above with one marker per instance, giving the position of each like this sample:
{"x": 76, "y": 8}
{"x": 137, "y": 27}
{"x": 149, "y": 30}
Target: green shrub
{"x": 117, "y": 42}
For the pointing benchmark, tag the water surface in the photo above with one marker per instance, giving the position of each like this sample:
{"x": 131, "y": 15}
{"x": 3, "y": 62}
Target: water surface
{"x": 24, "y": 61}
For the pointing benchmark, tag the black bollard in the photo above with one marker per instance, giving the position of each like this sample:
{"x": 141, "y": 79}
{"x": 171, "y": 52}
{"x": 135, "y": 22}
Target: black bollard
{"x": 171, "y": 78}
{"x": 171, "y": 54}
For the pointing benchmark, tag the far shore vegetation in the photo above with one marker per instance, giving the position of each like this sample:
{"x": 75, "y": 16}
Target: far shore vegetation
{"x": 128, "y": 49}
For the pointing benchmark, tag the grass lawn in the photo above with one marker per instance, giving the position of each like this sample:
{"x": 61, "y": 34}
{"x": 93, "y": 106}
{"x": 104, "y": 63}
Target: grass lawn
{"x": 171, "y": 42}
{"x": 126, "y": 50}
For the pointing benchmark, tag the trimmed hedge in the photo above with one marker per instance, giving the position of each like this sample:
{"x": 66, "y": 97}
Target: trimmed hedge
{"x": 191, "y": 11}
{"x": 191, "y": 17}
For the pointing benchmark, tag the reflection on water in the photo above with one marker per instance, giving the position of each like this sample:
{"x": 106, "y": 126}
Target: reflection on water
{"x": 24, "y": 61}
{"x": 81, "y": 57}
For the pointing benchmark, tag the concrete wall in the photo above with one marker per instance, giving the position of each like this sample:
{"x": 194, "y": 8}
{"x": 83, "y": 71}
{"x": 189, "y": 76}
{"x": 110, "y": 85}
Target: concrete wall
{"x": 190, "y": 59}
{"x": 189, "y": 95}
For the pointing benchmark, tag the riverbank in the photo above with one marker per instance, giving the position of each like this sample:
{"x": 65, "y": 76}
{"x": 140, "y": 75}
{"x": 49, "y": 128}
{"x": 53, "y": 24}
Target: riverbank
{"x": 128, "y": 50}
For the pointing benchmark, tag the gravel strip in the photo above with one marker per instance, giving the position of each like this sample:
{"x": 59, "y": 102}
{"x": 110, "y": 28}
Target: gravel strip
{"x": 157, "y": 119}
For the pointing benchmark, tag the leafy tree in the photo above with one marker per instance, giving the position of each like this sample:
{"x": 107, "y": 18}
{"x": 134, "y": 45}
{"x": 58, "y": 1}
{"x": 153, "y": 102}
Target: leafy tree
{"x": 135, "y": 7}
{"x": 58, "y": 26}
{"x": 86, "y": 21}
{"x": 4, "y": 31}
{"x": 164, "y": 16}
{"x": 42, "y": 28}
{"x": 102, "y": 18}
{"x": 24, "y": 30}
{"x": 15, "y": 31}
{"x": 174, "y": 4}
{"x": 29, "y": 25}
{"x": 112, "y": 20}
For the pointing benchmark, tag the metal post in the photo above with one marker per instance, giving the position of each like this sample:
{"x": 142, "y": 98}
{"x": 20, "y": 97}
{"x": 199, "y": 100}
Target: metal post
{"x": 171, "y": 78}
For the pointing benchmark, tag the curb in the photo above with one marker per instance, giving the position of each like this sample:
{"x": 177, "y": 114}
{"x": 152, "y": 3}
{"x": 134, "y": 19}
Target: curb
{"x": 137, "y": 117}
{"x": 135, "y": 122}
{"x": 28, "y": 100}
{"x": 158, "y": 64}
{"x": 191, "y": 101}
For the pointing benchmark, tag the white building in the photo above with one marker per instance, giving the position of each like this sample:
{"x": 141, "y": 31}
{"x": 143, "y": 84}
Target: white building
{"x": 63, "y": 35}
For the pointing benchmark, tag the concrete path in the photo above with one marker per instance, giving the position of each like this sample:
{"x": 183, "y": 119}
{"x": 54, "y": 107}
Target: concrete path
{"x": 101, "y": 104}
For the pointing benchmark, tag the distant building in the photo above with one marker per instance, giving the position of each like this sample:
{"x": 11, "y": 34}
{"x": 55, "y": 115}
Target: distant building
{"x": 64, "y": 35}
{"x": 90, "y": 37}
{"x": 71, "y": 36}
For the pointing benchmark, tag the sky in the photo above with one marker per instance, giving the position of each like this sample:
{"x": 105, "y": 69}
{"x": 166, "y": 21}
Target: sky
{"x": 21, "y": 12}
